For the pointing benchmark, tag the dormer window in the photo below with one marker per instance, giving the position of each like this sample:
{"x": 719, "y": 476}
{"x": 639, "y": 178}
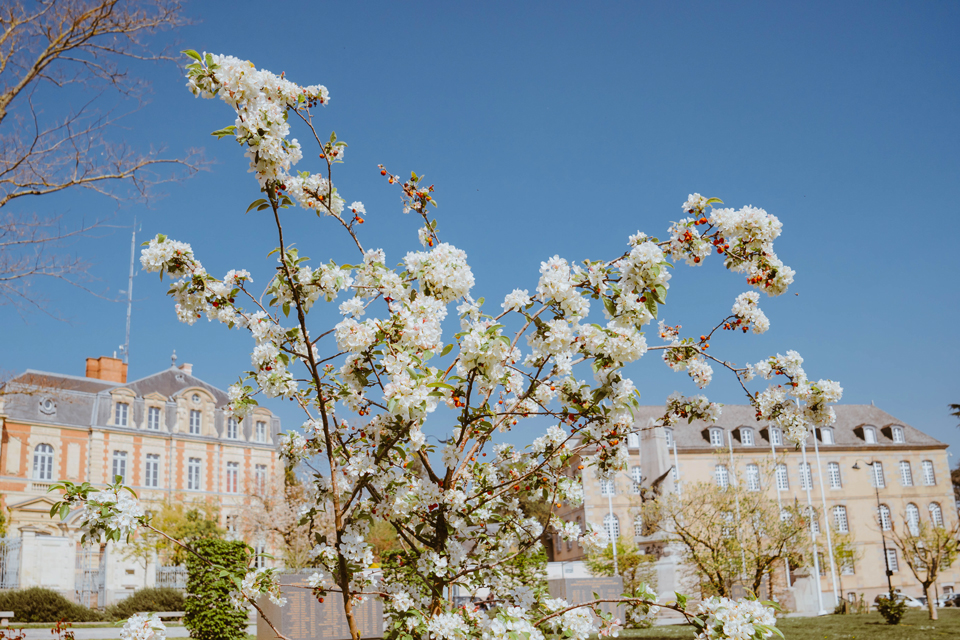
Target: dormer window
{"x": 716, "y": 437}
{"x": 826, "y": 436}
{"x": 231, "y": 428}
{"x": 633, "y": 441}
{"x": 746, "y": 436}
{"x": 194, "y": 422}
{"x": 898, "y": 435}
{"x": 776, "y": 437}
{"x": 120, "y": 414}
{"x": 870, "y": 435}
{"x": 668, "y": 433}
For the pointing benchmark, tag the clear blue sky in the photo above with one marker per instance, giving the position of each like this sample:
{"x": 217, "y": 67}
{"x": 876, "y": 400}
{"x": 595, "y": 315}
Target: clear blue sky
{"x": 560, "y": 128}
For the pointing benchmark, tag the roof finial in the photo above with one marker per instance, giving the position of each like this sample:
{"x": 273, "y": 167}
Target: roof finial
{"x": 173, "y": 359}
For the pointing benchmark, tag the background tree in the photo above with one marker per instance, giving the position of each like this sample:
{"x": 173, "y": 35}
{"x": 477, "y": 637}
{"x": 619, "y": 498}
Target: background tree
{"x": 635, "y": 568}
{"x": 53, "y": 52}
{"x": 926, "y": 548}
{"x": 187, "y": 522}
{"x": 725, "y": 549}
{"x": 846, "y": 555}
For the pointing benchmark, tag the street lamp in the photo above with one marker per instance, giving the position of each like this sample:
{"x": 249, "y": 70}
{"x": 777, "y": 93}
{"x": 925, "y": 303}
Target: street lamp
{"x": 876, "y": 488}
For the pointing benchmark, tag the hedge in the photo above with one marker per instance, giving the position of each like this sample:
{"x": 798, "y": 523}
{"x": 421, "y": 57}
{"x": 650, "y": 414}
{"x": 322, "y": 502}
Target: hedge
{"x": 210, "y": 616}
{"x": 147, "y": 600}
{"x": 37, "y": 604}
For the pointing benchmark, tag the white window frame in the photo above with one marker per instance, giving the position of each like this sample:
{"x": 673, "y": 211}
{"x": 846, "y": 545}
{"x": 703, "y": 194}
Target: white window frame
{"x": 716, "y": 437}
{"x": 898, "y": 435}
{"x": 260, "y": 477}
{"x": 722, "y": 476}
{"x": 906, "y": 473}
{"x": 936, "y": 514}
{"x": 840, "y": 519}
{"x": 912, "y": 517}
{"x": 870, "y": 435}
{"x": 43, "y": 462}
{"x": 232, "y": 428}
{"x": 776, "y": 436}
{"x": 746, "y": 436}
{"x": 668, "y": 433}
{"x": 233, "y": 477}
{"x": 879, "y": 481}
{"x": 119, "y": 466}
{"x": 153, "y": 418}
{"x": 633, "y": 441}
{"x": 611, "y": 527}
{"x": 196, "y": 422}
{"x": 833, "y": 470}
{"x": 261, "y": 431}
{"x": 194, "y": 474}
{"x": 884, "y": 517}
{"x": 806, "y": 476}
{"x": 892, "y": 562}
{"x": 151, "y": 470}
{"x": 753, "y": 477}
{"x": 826, "y": 436}
{"x": 636, "y": 477}
{"x": 121, "y": 414}
{"x": 637, "y": 525}
{"x": 783, "y": 477}
{"x": 608, "y": 487}
{"x": 929, "y": 477}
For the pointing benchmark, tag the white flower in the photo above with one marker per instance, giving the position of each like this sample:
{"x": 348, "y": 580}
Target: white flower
{"x": 516, "y": 300}
{"x": 142, "y": 626}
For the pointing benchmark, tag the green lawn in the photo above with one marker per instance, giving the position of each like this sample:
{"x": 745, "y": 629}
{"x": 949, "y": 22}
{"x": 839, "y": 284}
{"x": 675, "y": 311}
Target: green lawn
{"x": 914, "y": 625}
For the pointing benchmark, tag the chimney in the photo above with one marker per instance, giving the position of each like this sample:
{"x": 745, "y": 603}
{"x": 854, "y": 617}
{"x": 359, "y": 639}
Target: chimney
{"x": 187, "y": 368}
{"x": 107, "y": 368}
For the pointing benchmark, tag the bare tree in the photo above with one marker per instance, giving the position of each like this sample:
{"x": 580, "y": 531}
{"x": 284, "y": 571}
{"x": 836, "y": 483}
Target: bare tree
{"x": 45, "y": 47}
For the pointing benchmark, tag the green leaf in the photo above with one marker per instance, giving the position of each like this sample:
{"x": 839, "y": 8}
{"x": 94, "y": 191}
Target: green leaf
{"x": 440, "y": 384}
{"x": 226, "y": 131}
{"x": 710, "y": 201}
{"x": 651, "y": 306}
{"x": 446, "y": 350}
{"x": 193, "y": 54}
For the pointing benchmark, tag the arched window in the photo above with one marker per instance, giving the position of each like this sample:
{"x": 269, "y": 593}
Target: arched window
{"x": 913, "y": 519}
{"x": 776, "y": 436}
{"x": 783, "y": 480}
{"x": 746, "y": 436}
{"x": 716, "y": 437}
{"x": 885, "y": 517}
{"x": 840, "y": 518}
{"x": 43, "y": 462}
{"x": 870, "y": 435}
{"x": 722, "y": 476}
{"x": 637, "y": 477}
{"x": 898, "y": 435}
{"x": 906, "y": 473}
{"x": 611, "y": 527}
{"x": 878, "y": 480}
{"x": 753, "y": 477}
{"x": 929, "y": 478}
{"x": 633, "y": 441}
{"x": 936, "y": 514}
{"x": 826, "y": 436}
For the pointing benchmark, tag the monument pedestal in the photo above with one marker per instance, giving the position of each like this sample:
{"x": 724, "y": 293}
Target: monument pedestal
{"x": 304, "y": 618}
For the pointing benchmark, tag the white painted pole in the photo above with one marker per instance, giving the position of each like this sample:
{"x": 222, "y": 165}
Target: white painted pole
{"x": 773, "y": 452}
{"x": 613, "y": 540}
{"x": 813, "y": 531}
{"x": 826, "y": 519}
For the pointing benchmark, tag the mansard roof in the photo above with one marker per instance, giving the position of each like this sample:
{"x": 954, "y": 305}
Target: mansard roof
{"x": 171, "y": 383}
{"x": 847, "y": 430}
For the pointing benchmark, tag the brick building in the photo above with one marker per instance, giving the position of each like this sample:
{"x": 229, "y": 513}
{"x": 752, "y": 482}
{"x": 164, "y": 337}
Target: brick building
{"x": 165, "y": 434}
{"x": 911, "y": 475}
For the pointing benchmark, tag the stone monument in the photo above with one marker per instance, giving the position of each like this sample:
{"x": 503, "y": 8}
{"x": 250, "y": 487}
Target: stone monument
{"x": 304, "y": 618}
{"x": 579, "y": 590}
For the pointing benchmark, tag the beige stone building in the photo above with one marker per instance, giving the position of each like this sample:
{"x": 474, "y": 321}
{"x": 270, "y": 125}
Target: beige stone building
{"x": 911, "y": 477}
{"x": 165, "y": 434}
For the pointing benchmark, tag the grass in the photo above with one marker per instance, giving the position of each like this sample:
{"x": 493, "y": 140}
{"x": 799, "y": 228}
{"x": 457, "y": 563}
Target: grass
{"x": 914, "y": 625}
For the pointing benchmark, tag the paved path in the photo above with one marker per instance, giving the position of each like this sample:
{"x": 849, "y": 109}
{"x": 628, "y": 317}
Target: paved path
{"x": 108, "y": 633}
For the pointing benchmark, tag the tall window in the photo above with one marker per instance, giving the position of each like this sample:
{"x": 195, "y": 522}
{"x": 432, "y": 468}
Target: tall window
{"x": 260, "y": 477}
{"x": 233, "y": 473}
{"x": 826, "y": 436}
{"x": 633, "y": 441}
{"x": 716, "y": 437}
{"x": 193, "y": 474}
{"x": 151, "y": 476}
{"x": 840, "y": 518}
{"x": 261, "y": 431}
{"x": 722, "y": 475}
{"x": 637, "y": 525}
{"x": 43, "y": 462}
{"x": 898, "y": 435}
{"x": 811, "y": 513}
{"x": 913, "y": 519}
{"x": 892, "y": 560}
{"x": 607, "y": 487}
{"x": 776, "y": 436}
{"x": 153, "y": 418}
{"x": 194, "y": 422}
{"x": 870, "y": 435}
{"x": 936, "y": 515}
{"x": 120, "y": 465}
{"x": 753, "y": 477}
{"x": 669, "y": 435}
{"x": 636, "y": 476}
{"x": 231, "y": 428}
{"x": 783, "y": 480}
{"x": 806, "y": 478}
{"x": 878, "y": 479}
{"x": 929, "y": 478}
{"x": 232, "y": 521}
{"x": 120, "y": 414}
{"x": 885, "y": 517}
{"x": 611, "y": 527}
{"x": 906, "y": 473}
{"x": 833, "y": 469}
{"x": 746, "y": 437}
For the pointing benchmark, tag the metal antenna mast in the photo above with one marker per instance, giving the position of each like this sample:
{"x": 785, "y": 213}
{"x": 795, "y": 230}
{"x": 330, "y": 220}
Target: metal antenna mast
{"x": 125, "y": 349}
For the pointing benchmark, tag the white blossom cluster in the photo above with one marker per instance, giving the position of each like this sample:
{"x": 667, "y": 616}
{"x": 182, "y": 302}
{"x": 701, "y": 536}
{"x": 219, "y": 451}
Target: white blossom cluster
{"x": 735, "y": 620}
{"x": 256, "y": 583}
{"x": 746, "y": 308}
{"x": 689, "y": 408}
{"x": 111, "y": 511}
{"x": 142, "y": 626}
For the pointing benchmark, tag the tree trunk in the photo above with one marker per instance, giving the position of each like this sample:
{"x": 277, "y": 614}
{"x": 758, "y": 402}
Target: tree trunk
{"x": 931, "y": 602}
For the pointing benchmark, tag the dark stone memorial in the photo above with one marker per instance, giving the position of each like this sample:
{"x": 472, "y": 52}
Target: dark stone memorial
{"x": 578, "y": 590}
{"x": 303, "y": 618}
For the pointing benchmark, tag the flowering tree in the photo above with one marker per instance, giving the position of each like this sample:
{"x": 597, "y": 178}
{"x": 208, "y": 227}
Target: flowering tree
{"x": 388, "y": 363}
{"x": 927, "y": 548}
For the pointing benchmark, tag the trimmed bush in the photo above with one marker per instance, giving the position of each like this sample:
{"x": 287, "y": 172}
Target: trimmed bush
{"x": 37, "y": 604}
{"x": 149, "y": 601}
{"x": 892, "y": 609}
{"x": 210, "y": 616}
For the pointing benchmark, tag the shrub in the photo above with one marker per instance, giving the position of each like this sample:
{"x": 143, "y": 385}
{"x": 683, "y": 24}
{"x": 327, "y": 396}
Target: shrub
{"x": 209, "y": 614}
{"x": 147, "y": 600}
{"x": 892, "y": 609}
{"x": 37, "y": 604}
